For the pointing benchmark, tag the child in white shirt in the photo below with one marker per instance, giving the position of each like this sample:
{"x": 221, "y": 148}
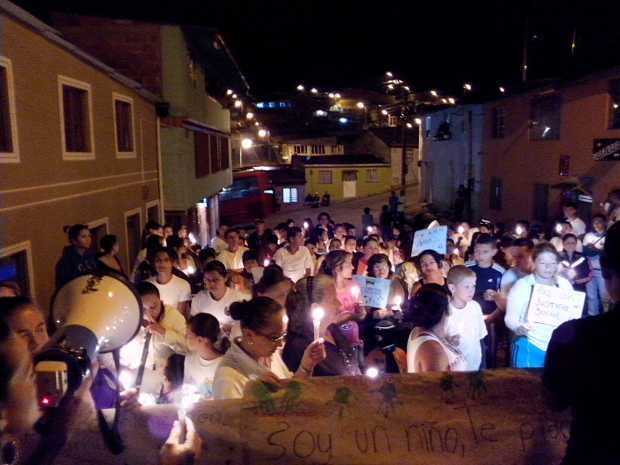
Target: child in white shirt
{"x": 464, "y": 325}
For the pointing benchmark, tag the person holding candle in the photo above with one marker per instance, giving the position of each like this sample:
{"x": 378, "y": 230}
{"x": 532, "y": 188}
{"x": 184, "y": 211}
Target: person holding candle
{"x": 429, "y": 264}
{"x": 532, "y": 339}
{"x": 342, "y": 358}
{"x": 370, "y": 246}
{"x": 593, "y": 243}
{"x": 255, "y": 355}
{"x": 295, "y": 258}
{"x": 273, "y": 284}
{"x": 574, "y": 265}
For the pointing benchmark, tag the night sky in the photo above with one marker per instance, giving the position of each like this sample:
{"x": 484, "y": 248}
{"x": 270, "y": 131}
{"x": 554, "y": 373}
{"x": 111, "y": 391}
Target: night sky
{"x": 431, "y": 44}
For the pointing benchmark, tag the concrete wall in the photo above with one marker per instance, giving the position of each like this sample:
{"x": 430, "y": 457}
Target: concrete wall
{"x": 445, "y": 163}
{"x": 364, "y": 188}
{"x": 42, "y": 192}
{"x": 520, "y": 162}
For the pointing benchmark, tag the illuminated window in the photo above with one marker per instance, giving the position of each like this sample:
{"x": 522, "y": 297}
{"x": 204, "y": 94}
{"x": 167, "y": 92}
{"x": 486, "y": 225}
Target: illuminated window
{"x": 289, "y": 195}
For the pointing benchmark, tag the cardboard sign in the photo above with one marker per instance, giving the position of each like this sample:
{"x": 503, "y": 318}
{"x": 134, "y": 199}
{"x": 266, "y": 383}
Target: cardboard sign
{"x": 430, "y": 239}
{"x": 485, "y": 418}
{"x": 553, "y": 306}
{"x": 374, "y": 291}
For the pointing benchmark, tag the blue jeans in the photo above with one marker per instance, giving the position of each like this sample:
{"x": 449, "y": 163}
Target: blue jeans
{"x": 526, "y": 355}
{"x": 598, "y": 298}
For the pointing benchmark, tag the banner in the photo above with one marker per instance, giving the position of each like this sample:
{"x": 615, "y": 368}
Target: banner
{"x": 430, "y": 239}
{"x": 480, "y": 418}
{"x": 553, "y": 306}
{"x": 374, "y": 291}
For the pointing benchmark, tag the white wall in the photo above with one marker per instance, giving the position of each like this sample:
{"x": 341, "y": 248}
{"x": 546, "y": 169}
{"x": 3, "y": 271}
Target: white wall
{"x": 445, "y": 163}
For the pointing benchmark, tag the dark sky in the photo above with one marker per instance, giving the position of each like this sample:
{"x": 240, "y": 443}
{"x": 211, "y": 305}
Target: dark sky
{"x": 431, "y": 44}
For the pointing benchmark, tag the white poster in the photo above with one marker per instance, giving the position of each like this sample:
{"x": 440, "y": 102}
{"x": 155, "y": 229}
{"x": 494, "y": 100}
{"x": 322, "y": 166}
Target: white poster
{"x": 553, "y": 306}
{"x": 374, "y": 291}
{"x": 430, "y": 239}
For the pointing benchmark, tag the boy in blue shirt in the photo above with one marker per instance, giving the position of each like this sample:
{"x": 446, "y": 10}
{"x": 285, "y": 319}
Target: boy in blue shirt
{"x": 488, "y": 282}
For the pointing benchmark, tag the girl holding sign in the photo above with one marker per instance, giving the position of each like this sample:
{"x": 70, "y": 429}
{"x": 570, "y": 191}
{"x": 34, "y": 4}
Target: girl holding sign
{"x": 531, "y": 339}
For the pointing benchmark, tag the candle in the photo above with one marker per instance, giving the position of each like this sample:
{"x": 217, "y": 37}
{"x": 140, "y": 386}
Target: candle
{"x": 317, "y": 315}
{"x": 266, "y": 262}
{"x": 306, "y": 225}
{"x": 398, "y": 300}
{"x": 355, "y": 292}
{"x": 558, "y": 228}
{"x": 192, "y": 238}
{"x": 461, "y": 229}
{"x": 189, "y": 396}
{"x": 190, "y": 269}
{"x": 519, "y": 230}
{"x": 369, "y": 229}
{"x": 372, "y": 372}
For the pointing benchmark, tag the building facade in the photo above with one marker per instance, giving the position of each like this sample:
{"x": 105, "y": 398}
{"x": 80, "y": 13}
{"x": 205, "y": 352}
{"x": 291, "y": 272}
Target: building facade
{"x": 78, "y": 144}
{"x": 451, "y": 151}
{"x": 327, "y": 145}
{"x": 195, "y": 125}
{"x": 540, "y": 143}
{"x": 344, "y": 176}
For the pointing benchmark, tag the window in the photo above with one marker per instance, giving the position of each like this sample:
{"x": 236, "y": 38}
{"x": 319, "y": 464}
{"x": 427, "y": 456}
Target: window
{"x": 289, "y": 195}
{"x": 76, "y": 119}
{"x": 392, "y": 121}
{"x": 133, "y": 231}
{"x": 496, "y": 192}
{"x": 16, "y": 265}
{"x": 214, "y": 152}
{"x": 545, "y": 118}
{"x": 152, "y": 211}
{"x": 372, "y": 175}
{"x": 8, "y": 123}
{"x": 201, "y": 154}
{"x": 541, "y": 202}
{"x": 614, "y": 104}
{"x": 123, "y": 126}
{"x": 499, "y": 126}
{"x": 318, "y": 149}
{"x": 325, "y": 177}
{"x": 225, "y": 153}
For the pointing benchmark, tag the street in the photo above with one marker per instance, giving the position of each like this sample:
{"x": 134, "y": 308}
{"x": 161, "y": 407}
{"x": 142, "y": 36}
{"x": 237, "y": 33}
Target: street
{"x": 346, "y": 211}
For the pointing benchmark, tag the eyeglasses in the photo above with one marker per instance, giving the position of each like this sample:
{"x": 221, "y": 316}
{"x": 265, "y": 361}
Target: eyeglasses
{"x": 275, "y": 339}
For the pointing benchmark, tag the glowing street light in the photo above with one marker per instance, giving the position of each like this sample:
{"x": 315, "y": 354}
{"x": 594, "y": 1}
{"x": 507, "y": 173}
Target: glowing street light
{"x": 234, "y": 96}
{"x": 418, "y": 121}
{"x": 229, "y": 92}
{"x": 361, "y": 105}
{"x": 249, "y": 115}
{"x": 372, "y": 372}
{"x": 343, "y": 120}
{"x": 331, "y": 95}
{"x": 502, "y": 90}
{"x": 444, "y": 100}
{"x": 467, "y": 86}
{"x": 238, "y": 103}
{"x": 247, "y": 144}
{"x": 434, "y": 93}
{"x": 320, "y": 113}
{"x": 262, "y": 133}
{"x": 389, "y": 74}
{"x": 256, "y": 123}
{"x": 314, "y": 90}
{"x": 337, "y": 96}
{"x": 409, "y": 125}
{"x": 384, "y": 112}
{"x": 452, "y": 101}
{"x": 300, "y": 88}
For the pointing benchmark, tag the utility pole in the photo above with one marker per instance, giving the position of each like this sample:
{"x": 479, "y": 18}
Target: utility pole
{"x": 403, "y": 164}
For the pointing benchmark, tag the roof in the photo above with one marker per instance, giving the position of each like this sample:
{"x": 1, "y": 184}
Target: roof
{"x": 363, "y": 159}
{"x": 53, "y": 35}
{"x": 393, "y": 136}
{"x": 287, "y": 176}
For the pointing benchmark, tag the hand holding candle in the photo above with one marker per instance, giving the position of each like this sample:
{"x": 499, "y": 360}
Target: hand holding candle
{"x": 318, "y": 313}
{"x": 397, "y": 306}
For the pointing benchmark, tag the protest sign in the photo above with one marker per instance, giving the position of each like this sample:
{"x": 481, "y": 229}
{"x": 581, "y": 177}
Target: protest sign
{"x": 553, "y": 306}
{"x": 430, "y": 239}
{"x": 374, "y": 291}
{"x": 486, "y": 418}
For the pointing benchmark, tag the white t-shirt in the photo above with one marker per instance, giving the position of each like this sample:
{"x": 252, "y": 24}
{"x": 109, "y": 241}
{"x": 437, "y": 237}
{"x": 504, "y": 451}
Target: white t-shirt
{"x": 468, "y": 324}
{"x": 509, "y": 278}
{"x": 597, "y": 241}
{"x": 579, "y": 227}
{"x": 174, "y": 291}
{"x": 295, "y": 265}
{"x": 237, "y": 368}
{"x": 203, "y": 302}
{"x": 232, "y": 260}
{"x": 559, "y": 245}
{"x": 201, "y": 373}
{"x": 218, "y": 244}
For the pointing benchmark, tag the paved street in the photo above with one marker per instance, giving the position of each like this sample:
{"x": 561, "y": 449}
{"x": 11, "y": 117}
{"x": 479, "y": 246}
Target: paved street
{"x": 349, "y": 211}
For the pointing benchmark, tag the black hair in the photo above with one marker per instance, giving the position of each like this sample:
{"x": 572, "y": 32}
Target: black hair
{"x": 281, "y": 227}
{"x": 610, "y": 258}
{"x": 506, "y": 241}
{"x": 429, "y": 306}
{"x": 376, "y": 259}
{"x": 368, "y": 239}
{"x": 10, "y": 306}
{"x": 259, "y": 221}
{"x": 569, "y": 236}
{"x": 153, "y": 244}
{"x": 205, "y": 325}
{"x": 172, "y": 254}
{"x": 174, "y": 242}
{"x": 146, "y": 288}
{"x": 152, "y": 225}
{"x": 249, "y": 255}
{"x": 272, "y": 275}
{"x": 205, "y": 254}
{"x": 485, "y": 239}
{"x": 366, "y": 210}
{"x": 438, "y": 257}
{"x": 527, "y": 243}
{"x": 254, "y": 314}
{"x": 312, "y": 241}
{"x": 600, "y": 216}
{"x": 73, "y": 232}
{"x": 333, "y": 260}
{"x": 7, "y": 369}
{"x": 569, "y": 205}
{"x": 174, "y": 370}
{"x": 215, "y": 266}
{"x": 292, "y": 232}
{"x": 350, "y": 238}
{"x": 107, "y": 242}
{"x": 230, "y": 231}
{"x": 323, "y": 214}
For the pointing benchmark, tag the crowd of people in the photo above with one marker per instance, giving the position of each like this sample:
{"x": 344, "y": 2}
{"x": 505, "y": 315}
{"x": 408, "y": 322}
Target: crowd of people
{"x": 243, "y": 308}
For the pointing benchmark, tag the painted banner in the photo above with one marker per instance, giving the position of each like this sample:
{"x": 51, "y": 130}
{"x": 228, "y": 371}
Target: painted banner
{"x": 484, "y": 418}
{"x": 553, "y": 306}
{"x": 430, "y": 239}
{"x": 374, "y": 291}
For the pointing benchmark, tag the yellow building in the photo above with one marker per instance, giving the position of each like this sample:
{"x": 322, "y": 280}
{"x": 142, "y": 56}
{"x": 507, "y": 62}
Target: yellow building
{"x": 345, "y": 176}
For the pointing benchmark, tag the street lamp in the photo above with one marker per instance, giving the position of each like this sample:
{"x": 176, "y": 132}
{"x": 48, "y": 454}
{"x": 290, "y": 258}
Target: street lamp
{"x": 384, "y": 112}
{"x": 361, "y": 105}
{"x": 300, "y": 88}
{"x": 238, "y": 103}
{"x": 246, "y": 144}
{"x": 467, "y": 86}
{"x": 229, "y": 92}
{"x": 249, "y": 115}
{"x": 434, "y": 93}
{"x": 389, "y": 74}
{"x": 234, "y": 96}
{"x": 314, "y": 90}
{"x": 262, "y": 133}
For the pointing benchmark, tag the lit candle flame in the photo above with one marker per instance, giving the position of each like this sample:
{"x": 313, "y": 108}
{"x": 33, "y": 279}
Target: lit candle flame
{"x": 318, "y": 313}
{"x": 266, "y": 262}
{"x": 372, "y": 372}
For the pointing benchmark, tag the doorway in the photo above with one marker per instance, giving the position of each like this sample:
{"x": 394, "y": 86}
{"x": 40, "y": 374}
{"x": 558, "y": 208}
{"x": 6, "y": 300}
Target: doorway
{"x": 349, "y": 184}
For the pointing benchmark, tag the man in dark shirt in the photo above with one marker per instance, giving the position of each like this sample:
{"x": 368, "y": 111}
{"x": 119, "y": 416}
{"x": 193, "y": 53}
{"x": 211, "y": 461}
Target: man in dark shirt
{"x": 580, "y": 367}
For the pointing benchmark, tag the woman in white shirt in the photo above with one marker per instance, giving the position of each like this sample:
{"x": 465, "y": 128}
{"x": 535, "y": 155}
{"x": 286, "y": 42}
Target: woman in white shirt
{"x": 217, "y": 296}
{"x": 532, "y": 339}
{"x": 256, "y": 355}
{"x": 427, "y": 349}
{"x": 203, "y": 358}
{"x": 174, "y": 291}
